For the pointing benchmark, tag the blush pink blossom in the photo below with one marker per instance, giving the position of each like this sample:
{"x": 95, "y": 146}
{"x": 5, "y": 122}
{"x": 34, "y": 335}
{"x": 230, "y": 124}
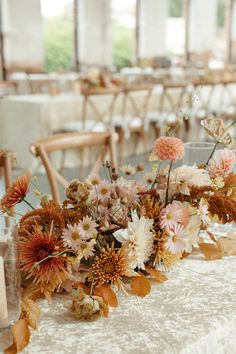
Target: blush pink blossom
{"x": 173, "y": 214}
{"x": 176, "y": 241}
{"x": 222, "y": 163}
{"x": 168, "y": 148}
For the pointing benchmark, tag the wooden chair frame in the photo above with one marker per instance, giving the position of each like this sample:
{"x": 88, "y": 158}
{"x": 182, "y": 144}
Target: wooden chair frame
{"x": 42, "y": 148}
{"x": 6, "y": 166}
{"x": 139, "y": 111}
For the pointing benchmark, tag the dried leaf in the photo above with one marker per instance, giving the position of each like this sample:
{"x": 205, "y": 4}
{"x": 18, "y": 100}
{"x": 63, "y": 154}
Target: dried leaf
{"x": 228, "y": 246}
{"x": 140, "y": 285}
{"x": 211, "y": 251}
{"x": 31, "y": 311}
{"x": 107, "y": 294}
{"x": 158, "y": 276}
{"x": 21, "y": 336}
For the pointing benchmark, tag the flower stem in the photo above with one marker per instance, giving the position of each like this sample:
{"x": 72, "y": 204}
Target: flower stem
{"x": 212, "y": 153}
{"x": 29, "y": 204}
{"x": 168, "y": 183}
{"x": 91, "y": 288}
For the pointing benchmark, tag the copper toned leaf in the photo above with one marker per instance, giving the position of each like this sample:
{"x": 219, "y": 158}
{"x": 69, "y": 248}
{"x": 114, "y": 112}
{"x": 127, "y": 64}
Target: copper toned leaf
{"x": 211, "y": 251}
{"x": 140, "y": 285}
{"x": 107, "y": 294}
{"x": 31, "y": 311}
{"x": 228, "y": 246}
{"x": 21, "y": 337}
{"x": 158, "y": 276}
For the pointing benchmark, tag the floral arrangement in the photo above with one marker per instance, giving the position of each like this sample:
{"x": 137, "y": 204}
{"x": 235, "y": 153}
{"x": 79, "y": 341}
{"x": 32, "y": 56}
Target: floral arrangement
{"x": 121, "y": 233}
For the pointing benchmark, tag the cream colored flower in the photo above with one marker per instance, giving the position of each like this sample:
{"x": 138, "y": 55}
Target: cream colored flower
{"x": 138, "y": 238}
{"x": 192, "y": 232}
{"x": 128, "y": 170}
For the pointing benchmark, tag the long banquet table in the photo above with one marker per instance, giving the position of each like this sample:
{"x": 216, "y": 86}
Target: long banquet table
{"x": 194, "y": 312}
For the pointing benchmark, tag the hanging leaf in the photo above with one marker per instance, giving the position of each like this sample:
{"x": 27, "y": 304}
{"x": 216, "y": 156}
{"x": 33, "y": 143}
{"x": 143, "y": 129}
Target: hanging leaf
{"x": 21, "y": 336}
{"x": 31, "y": 311}
{"x": 107, "y": 294}
{"x": 211, "y": 251}
{"x": 140, "y": 285}
{"x": 158, "y": 276}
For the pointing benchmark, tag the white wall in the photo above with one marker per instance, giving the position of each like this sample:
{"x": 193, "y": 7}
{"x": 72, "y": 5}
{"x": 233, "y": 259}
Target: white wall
{"x": 95, "y": 37}
{"x": 153, "y": 18}
{"x": 23, "y": 33}
{"x": 202, "y": 25}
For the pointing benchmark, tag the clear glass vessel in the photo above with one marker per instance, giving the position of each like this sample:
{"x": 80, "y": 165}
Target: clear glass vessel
{"x": 9, "y": 273}
{"x": 197, "y": 153}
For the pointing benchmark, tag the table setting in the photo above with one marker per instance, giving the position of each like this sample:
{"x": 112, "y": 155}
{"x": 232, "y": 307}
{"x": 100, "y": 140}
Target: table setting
{"x": 135, "y": 262}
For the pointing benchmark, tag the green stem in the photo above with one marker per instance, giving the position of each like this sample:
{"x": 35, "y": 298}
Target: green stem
{"x": 29, "y": 204}
{"x": 212, "y": 153}
{"x": 168, "y": 183}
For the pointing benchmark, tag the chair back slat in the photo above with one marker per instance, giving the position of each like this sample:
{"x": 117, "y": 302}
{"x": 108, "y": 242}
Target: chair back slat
{"x": 61, "y": 142}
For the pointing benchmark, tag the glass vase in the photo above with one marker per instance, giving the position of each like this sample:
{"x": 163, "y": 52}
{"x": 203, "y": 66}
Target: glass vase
{"x": 197, "y": 153}
{"x": 9, "y": 273}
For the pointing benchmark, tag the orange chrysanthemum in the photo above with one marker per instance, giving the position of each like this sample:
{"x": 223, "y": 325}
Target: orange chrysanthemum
{"x": 41, "y": 257}
{"x": 109, "y": 267}
{"x": 16, "y": 193}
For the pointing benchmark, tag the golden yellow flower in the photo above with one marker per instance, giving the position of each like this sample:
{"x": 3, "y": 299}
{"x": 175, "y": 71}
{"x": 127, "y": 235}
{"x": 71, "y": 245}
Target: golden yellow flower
{"x": 109, "y": 266}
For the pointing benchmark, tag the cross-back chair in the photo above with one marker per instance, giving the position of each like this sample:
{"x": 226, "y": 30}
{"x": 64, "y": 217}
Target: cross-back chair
{"x": 61, "y": 142}
{"x": 173, "y": 103}
{"x": 6, "y": 158}
{"x": 133, "y": 118}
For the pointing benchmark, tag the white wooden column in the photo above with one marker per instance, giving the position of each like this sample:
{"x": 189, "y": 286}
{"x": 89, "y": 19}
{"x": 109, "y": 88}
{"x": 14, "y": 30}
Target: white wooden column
{"x": 202, "y": 25}
{"x": 152, "y": 28}
{"x": 95, "y": 37}
{"x": 23, "y": 34}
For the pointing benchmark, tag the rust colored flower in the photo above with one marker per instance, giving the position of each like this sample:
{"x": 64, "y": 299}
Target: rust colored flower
{"x": 109, "y": 267}
{"x": 168, "y": 148}
{"x": 51, "y": 212}
{"x": 41, "y": 257}
{"x": 16, "y": 192}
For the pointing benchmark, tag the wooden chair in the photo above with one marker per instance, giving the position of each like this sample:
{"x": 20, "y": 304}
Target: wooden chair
{"x": 133, "y": 118}
{"x": 6, "y": 158}
{"x": 173, "y": 104}
{"x": 100, "y": 120}
{"x": 61, "y": 142}
{"x": 8, "y": 88}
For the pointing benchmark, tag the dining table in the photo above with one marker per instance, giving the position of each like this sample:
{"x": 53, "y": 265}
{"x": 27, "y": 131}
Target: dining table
{"x": 193, "y": 312}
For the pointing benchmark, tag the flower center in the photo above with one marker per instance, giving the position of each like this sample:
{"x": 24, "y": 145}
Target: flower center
{"x": 175, "y": 238}
{"x": 44, "y": 251}
{"x": 104, "y": 191}
{"x": 169, "y": 216}
{"x": 83, "y": 246}
{"x": 108, "y": 268}
{"x": 75, "y": 236}
{"x": 86, "y": 227}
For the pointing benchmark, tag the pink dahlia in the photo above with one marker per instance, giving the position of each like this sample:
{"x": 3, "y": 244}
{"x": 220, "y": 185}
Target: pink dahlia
{"x": 222, "y": 163}
{"x": 168, "y": 148}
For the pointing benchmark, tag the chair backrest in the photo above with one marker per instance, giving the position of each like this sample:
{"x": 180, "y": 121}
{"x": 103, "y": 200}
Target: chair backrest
{"x": 61, "y": 142}
{"x": 136, "y": 99}
{"x": 91, "y": 101}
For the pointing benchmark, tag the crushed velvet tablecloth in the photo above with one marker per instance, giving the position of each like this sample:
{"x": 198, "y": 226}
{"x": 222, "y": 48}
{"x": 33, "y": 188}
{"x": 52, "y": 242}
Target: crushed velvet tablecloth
{"x": 194, "y": 312}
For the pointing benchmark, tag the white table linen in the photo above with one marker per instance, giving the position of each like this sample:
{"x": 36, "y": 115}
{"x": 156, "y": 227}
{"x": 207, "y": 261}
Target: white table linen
{"x": 194, "y": 312}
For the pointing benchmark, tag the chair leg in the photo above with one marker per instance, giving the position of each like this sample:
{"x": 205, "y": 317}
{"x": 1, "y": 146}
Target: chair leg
{"x": 156, "y": 129}
{"x": 121, "y": 143}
